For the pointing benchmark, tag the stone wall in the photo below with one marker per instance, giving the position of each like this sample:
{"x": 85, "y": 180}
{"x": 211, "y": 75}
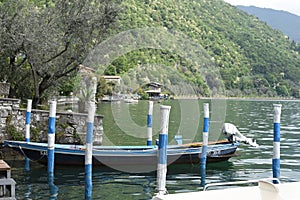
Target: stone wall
{"x": 4, "y": 89}
{"x": 8, "y": 107}
{"x": 70, "y": 127}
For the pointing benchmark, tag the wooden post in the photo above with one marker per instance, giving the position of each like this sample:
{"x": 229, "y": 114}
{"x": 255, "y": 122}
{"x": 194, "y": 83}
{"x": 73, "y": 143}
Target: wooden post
{"x": 162, "y": 150}
{"x": 204, "y": 144}
{"x": 27, "y": 123}
{"x": 149, "y": 123}
{"x": 89, "y": 150}
{"x": 51, "y": 137}
{"x": 276, "y": 142}
{"x": 27, "y": 131}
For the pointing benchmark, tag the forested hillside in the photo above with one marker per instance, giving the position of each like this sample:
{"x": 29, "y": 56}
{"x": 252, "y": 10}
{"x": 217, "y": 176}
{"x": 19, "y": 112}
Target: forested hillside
{"x": 202, "y": 47}
{"x": 253, "y": 59}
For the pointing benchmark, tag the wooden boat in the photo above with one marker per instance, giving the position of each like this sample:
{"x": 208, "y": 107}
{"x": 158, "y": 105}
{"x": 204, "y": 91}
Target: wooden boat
{"x": 125, "y": 155}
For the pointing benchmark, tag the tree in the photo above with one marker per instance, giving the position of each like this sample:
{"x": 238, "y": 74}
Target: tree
{"x": 43, "y": 44}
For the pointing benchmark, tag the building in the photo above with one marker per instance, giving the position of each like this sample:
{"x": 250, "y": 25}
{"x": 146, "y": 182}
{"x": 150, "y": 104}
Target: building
{"x": 116, "y": 79}
{"x": 154, "y": 90}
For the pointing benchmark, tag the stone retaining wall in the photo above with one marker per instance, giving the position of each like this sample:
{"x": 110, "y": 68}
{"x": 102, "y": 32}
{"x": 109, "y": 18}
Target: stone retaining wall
{"x": 70, "y": 127}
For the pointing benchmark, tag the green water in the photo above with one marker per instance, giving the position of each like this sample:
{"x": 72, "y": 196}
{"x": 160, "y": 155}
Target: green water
{"x": 125, "y": 124}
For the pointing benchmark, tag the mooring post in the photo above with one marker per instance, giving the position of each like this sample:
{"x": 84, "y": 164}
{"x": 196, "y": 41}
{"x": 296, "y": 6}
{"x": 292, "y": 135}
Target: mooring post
{"x": 276, "y": 142}
{"x": 149, "y": 123}
{"x": 162, "y": 149}
{"x": 89, "y": 150}
{"x": 27, "y": 122}
{"x": 51, "y": 149}
{"x": 27, "y": 131}
{"x": 204, "y": 144}
{"x": 51, "y": 137}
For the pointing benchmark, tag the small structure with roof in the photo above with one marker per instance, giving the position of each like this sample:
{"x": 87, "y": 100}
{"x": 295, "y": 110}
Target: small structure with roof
{"x": 116, "y": 79}
{"x": 154, "y": 90}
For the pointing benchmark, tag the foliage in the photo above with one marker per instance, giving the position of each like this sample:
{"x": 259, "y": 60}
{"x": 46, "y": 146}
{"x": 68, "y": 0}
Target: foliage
{"x": 43, "y": 42}
{"x": 12, "y": 131}
{"x": 103, "y": 88}
{"x": 242, "y": 47}
{"x": 34, "y": 133}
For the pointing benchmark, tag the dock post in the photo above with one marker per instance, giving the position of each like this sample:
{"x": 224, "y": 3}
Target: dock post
{"x": 162, "y": 150}
{"x": 276, "y": 142}
{"x": 27, "y": 122}
{"x": 51, "y": 137}
{"x": 51, "y": 149}
{"x": 89, "y": 150}
{"x": 149, "y": 123}
{"x": 204, "y": 144}
{"x": 27, "y": 131}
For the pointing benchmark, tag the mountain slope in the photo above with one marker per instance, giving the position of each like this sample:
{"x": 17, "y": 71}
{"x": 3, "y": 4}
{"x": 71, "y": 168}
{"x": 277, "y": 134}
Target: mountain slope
{"x": 253, "y": 58}
{"x": 288, "y": 23}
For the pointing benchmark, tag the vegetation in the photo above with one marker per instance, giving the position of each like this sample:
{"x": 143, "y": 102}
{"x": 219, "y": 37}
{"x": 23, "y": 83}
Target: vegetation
{"x": 253, "y": 59}
{"x": 43, "y": 43}
{"x": 12, "y": 131}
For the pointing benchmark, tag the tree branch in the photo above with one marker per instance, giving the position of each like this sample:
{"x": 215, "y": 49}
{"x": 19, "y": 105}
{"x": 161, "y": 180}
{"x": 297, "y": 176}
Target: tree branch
{"x": 59, "y": 54}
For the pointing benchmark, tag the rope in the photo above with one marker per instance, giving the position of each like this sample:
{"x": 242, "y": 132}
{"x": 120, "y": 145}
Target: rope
{"x": 24, "y": 154}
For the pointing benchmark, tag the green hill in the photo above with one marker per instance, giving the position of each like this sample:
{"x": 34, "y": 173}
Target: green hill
{"x": 252, "y": 58}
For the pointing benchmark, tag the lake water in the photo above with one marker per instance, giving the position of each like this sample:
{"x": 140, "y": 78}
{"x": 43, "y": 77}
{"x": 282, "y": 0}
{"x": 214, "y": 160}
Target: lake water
{"x": 125, "y": 124}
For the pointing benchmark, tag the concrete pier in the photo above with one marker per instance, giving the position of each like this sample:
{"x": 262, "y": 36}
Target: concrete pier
{"x": 7, "y": 184}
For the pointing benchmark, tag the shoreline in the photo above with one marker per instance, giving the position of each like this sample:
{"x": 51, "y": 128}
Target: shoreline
{"x": 240, "y": 98}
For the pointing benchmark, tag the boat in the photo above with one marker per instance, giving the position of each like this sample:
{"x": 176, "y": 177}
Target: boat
{"x": 111, "y": 156}
{"x": 124, "y": 155}
{"x": 131, "y": 100}
{"x": 264, "y": 190}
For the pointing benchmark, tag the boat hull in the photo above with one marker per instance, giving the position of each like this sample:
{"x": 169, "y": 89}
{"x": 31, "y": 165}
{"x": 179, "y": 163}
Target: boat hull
{"x": 122, "y": 156}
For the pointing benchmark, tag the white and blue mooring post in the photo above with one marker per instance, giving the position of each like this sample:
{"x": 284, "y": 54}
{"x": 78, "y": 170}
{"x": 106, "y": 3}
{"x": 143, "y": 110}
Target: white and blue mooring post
{"x": 51, "y": 137}
{"x": 276, "y": 142}
{"x": 204, "y": 144}
{"x": 149, "y": 123}
{"x": 27, "y": 131}
{"x": 27, "y": 122}
{"x": 162, "y": 150}
{"x": 89, "y": 150}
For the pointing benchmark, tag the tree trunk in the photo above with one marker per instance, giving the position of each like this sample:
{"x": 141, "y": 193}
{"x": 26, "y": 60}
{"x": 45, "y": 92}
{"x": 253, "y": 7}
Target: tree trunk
{"x": 35, "y": 101}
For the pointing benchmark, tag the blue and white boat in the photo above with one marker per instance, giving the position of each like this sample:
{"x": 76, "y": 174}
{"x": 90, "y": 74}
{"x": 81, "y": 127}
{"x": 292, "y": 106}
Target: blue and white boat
{"x": 112, "y": 156}
{"x": 124, "y": 155}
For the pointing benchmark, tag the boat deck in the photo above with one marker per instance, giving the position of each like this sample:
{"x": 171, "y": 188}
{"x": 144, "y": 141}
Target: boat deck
{"x": 264, "y": 191}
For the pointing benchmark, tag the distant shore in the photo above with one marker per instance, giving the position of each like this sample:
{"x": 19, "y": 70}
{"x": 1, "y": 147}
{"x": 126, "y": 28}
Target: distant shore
{"x": 242, "y": 98}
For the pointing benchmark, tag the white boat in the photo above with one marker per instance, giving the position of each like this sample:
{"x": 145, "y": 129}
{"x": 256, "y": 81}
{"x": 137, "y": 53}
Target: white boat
{"x": 131, "y": 100}
{"x": 265, "y": 190}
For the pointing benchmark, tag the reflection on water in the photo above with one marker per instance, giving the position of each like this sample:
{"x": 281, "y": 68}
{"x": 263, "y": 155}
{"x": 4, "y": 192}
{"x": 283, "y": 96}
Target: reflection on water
{"x": 253, "y": 118}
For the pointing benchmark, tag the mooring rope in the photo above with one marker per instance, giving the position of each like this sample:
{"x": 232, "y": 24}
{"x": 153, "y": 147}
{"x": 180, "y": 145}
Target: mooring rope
{"x": 24, "y": 154}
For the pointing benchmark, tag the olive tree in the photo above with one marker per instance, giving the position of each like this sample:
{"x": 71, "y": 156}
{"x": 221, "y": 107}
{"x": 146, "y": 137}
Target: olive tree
{"x": 42, "y": 43}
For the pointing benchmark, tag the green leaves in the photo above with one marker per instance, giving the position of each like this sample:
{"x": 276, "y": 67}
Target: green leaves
{"x": 242, "y": 47}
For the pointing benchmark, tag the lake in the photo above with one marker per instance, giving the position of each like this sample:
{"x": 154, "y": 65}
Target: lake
{"x": 125, "y": 124}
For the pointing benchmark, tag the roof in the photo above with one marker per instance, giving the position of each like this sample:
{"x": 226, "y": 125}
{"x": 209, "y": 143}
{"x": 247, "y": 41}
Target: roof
{"x": 154, "y": 84}
{"x": 112, "y": 77}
